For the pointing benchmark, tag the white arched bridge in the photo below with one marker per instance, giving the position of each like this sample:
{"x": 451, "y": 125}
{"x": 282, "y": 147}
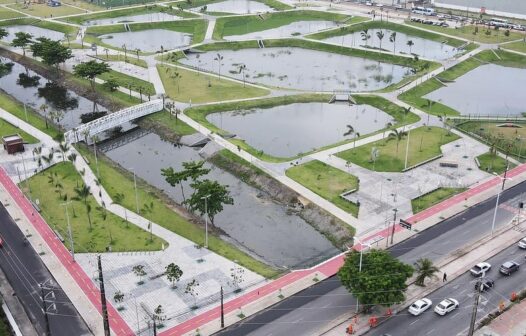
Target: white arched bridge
{"x": 86, "y": 131}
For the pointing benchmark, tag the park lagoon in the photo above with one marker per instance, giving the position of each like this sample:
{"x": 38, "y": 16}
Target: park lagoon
{"x": 237, "y": 7}
{"x": 422, "y": 47}
{"x": 303, "y": 69}
{"x": 289, "y": 30}
{"x": 148, "y": 17}
{"x": 489, "y": 89}
{"x": 33, "y": 30}
{"x": 287, "y": 130}
{"x": 149, "y": 40}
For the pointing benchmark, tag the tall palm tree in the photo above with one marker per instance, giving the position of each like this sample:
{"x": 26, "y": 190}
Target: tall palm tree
{"x": 147, "y": 209}
{"x": 350, "y": 131}
{"x": 242, "y": 69}
{"x": 425, "y": 269}
{"x": 365, "y": 36}
{"x": 82, "y": 194}
{"x": 118, "y": 198}
{"x": 410, "y": 44}
{"x": 44, "y": 109}
{"x": 175, "y": 76}
{"x": 380, "y": 35}
{"x": 64, "y": 147}
{"x": 392, "y": 39}
{"x": 219, "y": 59}
{"x": 356, "y": 135}
{"x": 398, "y": 135}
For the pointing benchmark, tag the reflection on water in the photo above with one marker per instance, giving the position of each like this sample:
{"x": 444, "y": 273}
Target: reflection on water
{"x": 287, "y": 130}
{"x": 33, "y": 30}
{"x": 422, "y": 47}
{"x": 148, "y": 17}
{"x": 236, "y": 7}
{"x": 301, "y": 68}
{"x": 488, "y": 90}
{"x": 253, "y": 221}
{"x": 148, "y": 40}
{"x": 291, "y": 29}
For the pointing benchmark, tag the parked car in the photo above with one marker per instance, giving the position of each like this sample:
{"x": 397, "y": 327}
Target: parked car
{"x": 420, "y": 306}
{"x": 522, "y": 243}
{"x": 480, "y": 269}
{"x": 485, "y": 285}
{"x": 446, "y": 306}
{"x": 509, "y": 267}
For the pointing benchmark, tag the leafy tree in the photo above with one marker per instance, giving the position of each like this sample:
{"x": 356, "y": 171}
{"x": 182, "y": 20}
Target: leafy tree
{"x": 22, "y": 40}
{"x": 53, "y": 53}
{"x": 237, "y": 274}
{"x": 392, "y": 39}
{"x": 425, "y": 269}
{"x": 217, "y": 195}
{"x": 118, "y": 297}
{"x": 139, "y": 271}
{"x": 173, "y": 274}
{"x": 3, "y": 33}
{"x": 111, "y": 84}
{"x": 191, "y": 288}
{"x": 158, "y": 315}
{"x": 191, "y": 170}
{"x": 90, "y": 70}
{"x": 382, "y": 280}
{"x": 380, "y": 34}
{"x": 87, "y": 117}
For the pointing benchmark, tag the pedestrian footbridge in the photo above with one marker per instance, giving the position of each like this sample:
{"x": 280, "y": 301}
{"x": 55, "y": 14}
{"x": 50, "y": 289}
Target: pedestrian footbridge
{"x": 86, "y": 131}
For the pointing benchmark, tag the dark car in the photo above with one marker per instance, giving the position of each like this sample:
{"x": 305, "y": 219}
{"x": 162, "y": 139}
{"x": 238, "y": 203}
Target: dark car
{"x": 509, "y": 267}
{"x": 485, "y": 284}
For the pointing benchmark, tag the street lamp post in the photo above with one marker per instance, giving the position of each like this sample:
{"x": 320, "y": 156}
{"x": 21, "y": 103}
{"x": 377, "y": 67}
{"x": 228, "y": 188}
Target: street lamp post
{"x": 360, "y": 266}
{"x": 395, "y": 210}
{"x": 504, "y": 178}
{"x": 206, "y": 219}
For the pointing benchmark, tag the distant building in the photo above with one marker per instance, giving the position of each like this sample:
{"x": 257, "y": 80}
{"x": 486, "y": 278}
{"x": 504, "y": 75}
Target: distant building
{"x": 13, "y": 143}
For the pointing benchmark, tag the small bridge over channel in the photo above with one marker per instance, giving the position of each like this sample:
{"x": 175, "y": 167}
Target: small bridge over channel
{"x": 86, "y": 131}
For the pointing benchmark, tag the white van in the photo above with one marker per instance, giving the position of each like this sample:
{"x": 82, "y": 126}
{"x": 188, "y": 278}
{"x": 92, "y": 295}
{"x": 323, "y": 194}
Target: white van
{"x": 423, "y": 11}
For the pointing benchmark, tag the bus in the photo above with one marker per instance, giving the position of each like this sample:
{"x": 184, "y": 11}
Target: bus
{"x": 499, "y": 22}
{"x": 423, "y": 11}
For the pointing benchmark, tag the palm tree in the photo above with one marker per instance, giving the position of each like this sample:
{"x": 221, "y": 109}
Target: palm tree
{"x": 398, "y": 135}
{"x": 219, "y": 59}
{"x": 380, "y": 35}
{"x": 44, "y": 108}
{"x": 175, "y": 76}
{"x": 64, "y": 147}
{"x": 387, "y": 126}
{"x": 242, "y": 69}
{"x": 365, "y": 35}
{"x": 147, "y": 209}
{"x": 82, "y": 194}
{"x": 410, "y": 44}
{"x": 118, "y": 199}
{"x": 425, "y": 269}
{"x": 356, "y": 135}
{"x": 350, "y": 131}
{"x": 392, "y": 39}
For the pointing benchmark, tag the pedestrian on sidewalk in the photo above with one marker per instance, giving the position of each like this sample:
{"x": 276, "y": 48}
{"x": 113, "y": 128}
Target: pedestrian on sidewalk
{"x": 444, "y": 279}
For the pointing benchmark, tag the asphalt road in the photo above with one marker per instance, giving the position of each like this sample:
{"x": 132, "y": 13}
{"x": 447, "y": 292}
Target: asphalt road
{"x": 25, "y": 272}
{"x": 307, "y": 311}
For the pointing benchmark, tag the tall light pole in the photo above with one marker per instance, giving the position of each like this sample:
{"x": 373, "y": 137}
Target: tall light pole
{"x": 407, "y": 147}
{"x": 395, "y": 210}
{"x": 206, "y": 219}
{"x": 135, "y": 188}
{"x": 504, "y": 178}
{"x": 360, "y": 266}
{"x": 69, "y": 231}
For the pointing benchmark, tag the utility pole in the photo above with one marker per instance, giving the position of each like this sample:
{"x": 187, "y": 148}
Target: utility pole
{"x": 103, "y": 301}
{"x": 206, "y": 219}
{"x": 154, "y": 326}
{"x": 395, "y": 210}
{"x": 475, "y": 307}
{"x": 44, "y": 308}
{"x": 222, "y": 310}
{"x": 69, "y": 231}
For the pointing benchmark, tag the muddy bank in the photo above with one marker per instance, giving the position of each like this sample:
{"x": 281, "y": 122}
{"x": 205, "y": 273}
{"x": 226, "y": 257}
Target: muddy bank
{"x": 339, "y": 233}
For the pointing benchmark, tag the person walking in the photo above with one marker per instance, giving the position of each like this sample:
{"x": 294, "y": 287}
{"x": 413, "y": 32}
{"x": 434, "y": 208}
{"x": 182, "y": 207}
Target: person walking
{"x": 444, "y": 279}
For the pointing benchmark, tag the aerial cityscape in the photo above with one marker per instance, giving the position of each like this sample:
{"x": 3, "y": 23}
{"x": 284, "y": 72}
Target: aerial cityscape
{"x": 263, "y": 167}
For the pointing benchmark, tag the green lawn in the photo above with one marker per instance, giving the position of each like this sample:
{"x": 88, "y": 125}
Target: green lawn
{"x": 517, "y": 46}
{"x": 490, "y": 163}
{"x": 8, "y": 14}
{"x": 7, "y": 129}
{"x": 199, "y": 87}
{"x": 424, "y": 144}
{"x": 120, "y": 58}
{"x": 116, "y": 180}
{"x": 196, "y": 27}
{"x": 278, "y": 5}
{"x": 167, "y": 124}
{"x": 414, "y": 96}
{"x": 45, "y": 11}
{"x": 326, "y": 181}
{"x": 87, "y": 5}
{"x": 17, "y": 109}
{"x": 434, "y": 197}
{"x": 52, "y": 185}
{"x": 128, "y": 82}
{"x": 467, "y": 32}
{"x": 238, "y": 25}
{"x": 387, "y": 25}
{"x": 69, "y": 30}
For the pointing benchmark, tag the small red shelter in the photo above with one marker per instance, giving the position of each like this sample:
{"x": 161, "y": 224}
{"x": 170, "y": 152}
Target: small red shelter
{"x": 13, "y": 143}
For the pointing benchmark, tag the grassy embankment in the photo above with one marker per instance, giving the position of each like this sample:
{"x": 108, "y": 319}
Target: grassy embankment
{"x": 434, "y": 197}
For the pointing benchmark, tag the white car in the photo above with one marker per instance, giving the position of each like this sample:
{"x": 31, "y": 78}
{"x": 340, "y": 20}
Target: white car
{"x": 480, "y": 269}
{"x": 446, "y": 306}
{"x": 420, "y": 306}
{"x": 522, "y": 243}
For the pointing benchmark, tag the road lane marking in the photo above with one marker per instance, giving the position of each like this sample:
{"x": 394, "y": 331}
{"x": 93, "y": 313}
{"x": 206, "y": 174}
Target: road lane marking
{"x": 430, "y": 331}
{"x": 414, "y": 322}
{"x": 453, "y": 316}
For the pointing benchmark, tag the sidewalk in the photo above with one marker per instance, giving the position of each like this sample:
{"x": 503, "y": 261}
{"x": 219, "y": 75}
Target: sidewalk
{"x": 510, "y": 323}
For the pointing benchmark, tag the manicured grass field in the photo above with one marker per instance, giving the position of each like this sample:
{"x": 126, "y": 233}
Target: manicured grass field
{"x": 115, "y": 180}
{"x": 120, "y": 58}
{"x": 50, "y": 188}
{"x": 69, "y": 30}
{"x": 199, "y": 87}
{"x": 45, "y": 11}
{"x": 90, "y": 6}
{"x": 277, "y": 5}
{"x": 7, "y": 129}
{"x": 128, "y": 82}
{"x": 326, "y": 181}
{"x": 238, "y": 25}
{"x": 517, "y": 46}
{"x": 387, "y": 25}
{"x": 424, "y": 144}
{"x": 172, "y": 124}
{"x": 491, "y": 162}
{"x": 9, "y": 14}
{"x": 467, "y": 32}
{"x": 17, "y": 109}
{"x": 434, "y": 197}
